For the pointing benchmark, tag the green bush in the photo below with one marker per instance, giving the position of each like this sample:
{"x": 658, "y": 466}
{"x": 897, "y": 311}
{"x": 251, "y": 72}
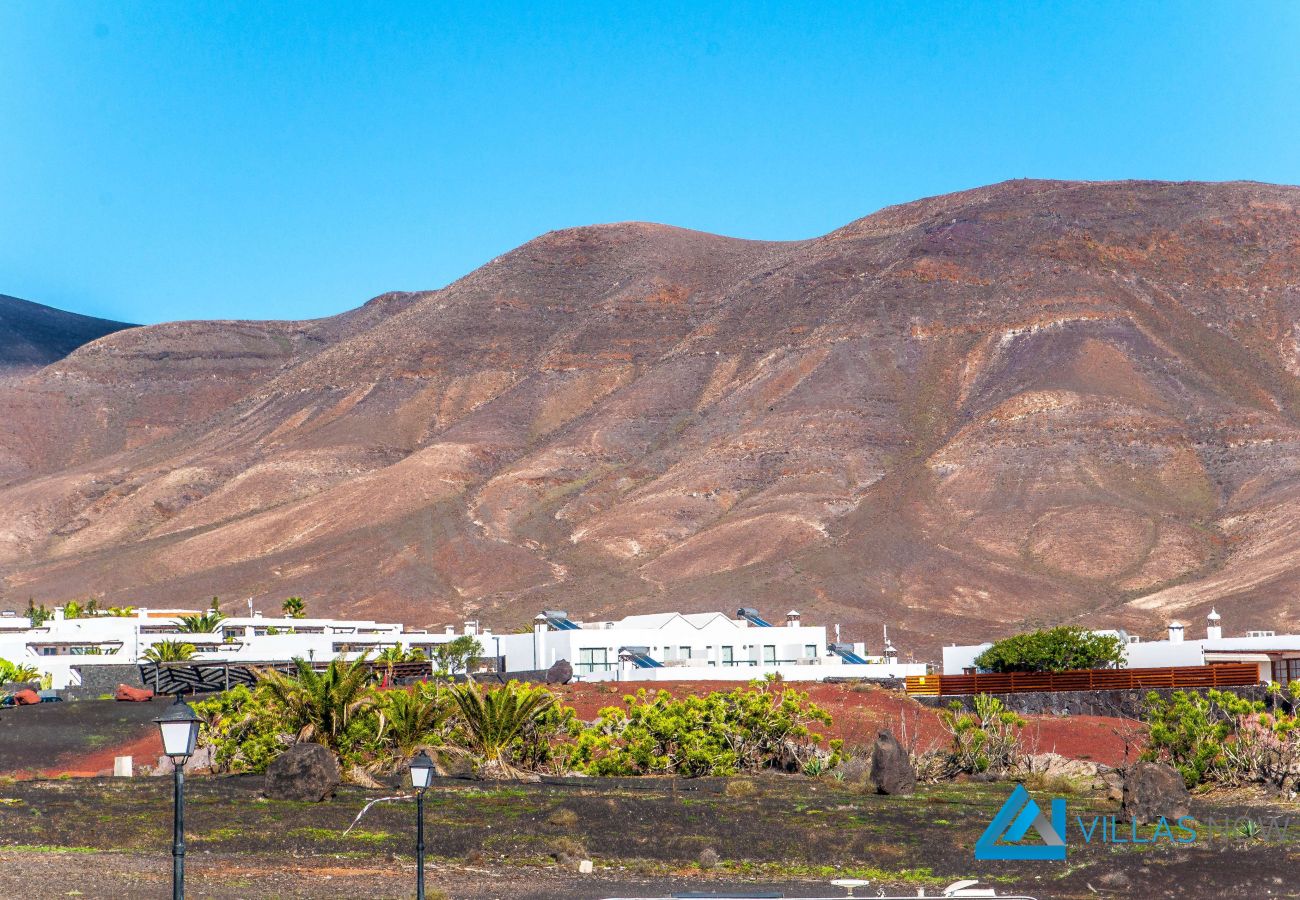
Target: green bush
{"x": 1053, "y": 650}
{"x": 743, "y": 730}
{"x": 986, "y": 740}
{"x": 1221, "y": 738}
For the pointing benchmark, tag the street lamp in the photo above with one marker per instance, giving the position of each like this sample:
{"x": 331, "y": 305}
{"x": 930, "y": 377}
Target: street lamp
{"x": 180, "y": 732}
{"x": 421, "y": 775}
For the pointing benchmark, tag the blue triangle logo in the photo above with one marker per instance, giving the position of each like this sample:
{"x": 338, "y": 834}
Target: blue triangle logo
{"x": 1013, "y": 821}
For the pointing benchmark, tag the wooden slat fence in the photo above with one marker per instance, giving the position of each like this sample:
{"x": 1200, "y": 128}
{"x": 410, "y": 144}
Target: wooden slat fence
{"x": 1218, "y": 675}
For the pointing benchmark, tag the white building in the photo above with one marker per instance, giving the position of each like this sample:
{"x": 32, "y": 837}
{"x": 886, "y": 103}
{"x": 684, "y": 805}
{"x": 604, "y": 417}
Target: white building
{"x": 693, "y": 646}
{"x": 657, "y": 647}
{"x": 1277, "y": 655}
{"x": 60, "y": 647}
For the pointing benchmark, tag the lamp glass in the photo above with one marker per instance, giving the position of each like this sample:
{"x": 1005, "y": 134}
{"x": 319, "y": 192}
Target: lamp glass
{"x": 421, "y": 771}
{"x": 180, "y": 729}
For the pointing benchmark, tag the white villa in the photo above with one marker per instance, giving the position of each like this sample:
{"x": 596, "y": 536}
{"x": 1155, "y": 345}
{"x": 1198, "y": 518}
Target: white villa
{"x": 1277, "y": 655}
{"x": 657, "y": 647}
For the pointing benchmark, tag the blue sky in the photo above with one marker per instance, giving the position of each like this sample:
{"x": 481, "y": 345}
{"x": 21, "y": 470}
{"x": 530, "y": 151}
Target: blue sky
{"x": 286, "y": 160}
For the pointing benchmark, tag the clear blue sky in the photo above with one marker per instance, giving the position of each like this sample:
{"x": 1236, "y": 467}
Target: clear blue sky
{"x": 283, "y": 160}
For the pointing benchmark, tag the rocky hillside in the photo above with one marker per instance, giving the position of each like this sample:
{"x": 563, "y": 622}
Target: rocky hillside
{"x": 32, "y": 335}
{"x": 1033, "y": 402}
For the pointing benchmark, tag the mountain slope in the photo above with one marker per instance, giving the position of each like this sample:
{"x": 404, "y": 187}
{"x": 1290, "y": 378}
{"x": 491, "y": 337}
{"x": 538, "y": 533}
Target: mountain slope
{"x": 32, "y": 335}
{"x": 1032, "y": 402}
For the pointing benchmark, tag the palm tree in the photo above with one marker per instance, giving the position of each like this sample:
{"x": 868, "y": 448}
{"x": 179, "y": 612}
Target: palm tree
{"x": 319, "y": 705}
{"x": 202, "y": 623}
{"x": 391, "y": 656}
{"x": 170, "y": 651}
{"x": 410, "y": 721}
{"x": 16, "y": 673}
{"x": 494, "y": 719}
{"x": 294, "y": 608}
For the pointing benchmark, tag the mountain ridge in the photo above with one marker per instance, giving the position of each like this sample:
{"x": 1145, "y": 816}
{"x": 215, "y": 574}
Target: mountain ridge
{"x": 1028, "y": 402}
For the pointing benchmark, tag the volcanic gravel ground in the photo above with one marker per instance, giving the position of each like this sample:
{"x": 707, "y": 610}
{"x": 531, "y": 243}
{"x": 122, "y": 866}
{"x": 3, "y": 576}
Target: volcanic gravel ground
{"x": 110, "y": 838}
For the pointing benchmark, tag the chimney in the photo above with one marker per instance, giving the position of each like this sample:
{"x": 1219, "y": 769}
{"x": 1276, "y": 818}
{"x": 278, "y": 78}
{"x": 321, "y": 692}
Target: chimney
{"x": 471, "y": 627}
{"x": 1213, "y": 630}
{"x": 539, "y": 639}
{"x": 58, "y": 613}
{"x": 450, "y": 629}
{"x": 1175, "y": 632}
{"x": 792, "y": 619}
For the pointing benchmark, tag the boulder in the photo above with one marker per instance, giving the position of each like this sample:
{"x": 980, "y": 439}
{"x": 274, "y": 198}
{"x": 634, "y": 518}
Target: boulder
{"x": 856, "y": 769}
{"x": 891, "y": 770}
{"x": 560, "y": 673}
{"x": 200, "y": 761}
{"x": 129, "y": 694}
{"x": 27, "y": 698}
{"x": 1152, "y": 790}
{"x": 304, "y": 772}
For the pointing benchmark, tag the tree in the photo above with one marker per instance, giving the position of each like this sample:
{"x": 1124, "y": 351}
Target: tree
{"x": 493, "y": 720}
{"x": 320, "y": 706}
{"x": 204, "y": 623}
{"x": 412, "y": 720}
{"x": 215, "y": 605}
{"x": 121, "y": 612}
{"x": 1053, "y": 650}
{"x": 455, "y": 656}
{"x": 16, "y": 673}
{"x": 170, "y": 651}
{"x": 72, "y": 610}
{"x": 38, "y": 615}
{"x": 294, "y": 608}
{"x": 391, "y": 656}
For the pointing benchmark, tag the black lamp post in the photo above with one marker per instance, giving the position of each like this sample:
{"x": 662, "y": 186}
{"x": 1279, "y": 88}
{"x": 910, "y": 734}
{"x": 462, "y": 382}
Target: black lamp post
{"x": 180, "y": 732}
{"x": 421, "y": 775}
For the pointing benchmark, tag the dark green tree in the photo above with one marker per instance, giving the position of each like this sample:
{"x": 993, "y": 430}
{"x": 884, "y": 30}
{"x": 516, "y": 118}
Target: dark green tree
{"x": 1053, "y": 650}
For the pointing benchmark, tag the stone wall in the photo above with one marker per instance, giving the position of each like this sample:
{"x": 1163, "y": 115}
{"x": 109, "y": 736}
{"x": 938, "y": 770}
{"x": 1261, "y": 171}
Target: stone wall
{"x": 98, "y": 680}
{"x": 1123, "y": 704}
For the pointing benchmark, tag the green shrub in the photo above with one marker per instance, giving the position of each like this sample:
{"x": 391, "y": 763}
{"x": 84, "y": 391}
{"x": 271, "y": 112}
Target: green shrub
{"x": 743, "y": 730}
{"x": 986, "y": 740}
{"x": 1221, "y": 738}
{"x": 1053, "y": 650}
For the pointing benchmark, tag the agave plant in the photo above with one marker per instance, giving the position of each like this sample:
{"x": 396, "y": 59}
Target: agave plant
{"x": 493, "y": 720}
{"x": 201, "y": 623}
{"x": 14, "y": 673}
{"x": 170, "y": 651}
{"x": 319, "y": 705}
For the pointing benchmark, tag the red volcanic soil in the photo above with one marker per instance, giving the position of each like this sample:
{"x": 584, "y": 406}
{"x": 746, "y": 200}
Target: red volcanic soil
{"x": 858, "y": 712}
{"x": 77, "y": 738}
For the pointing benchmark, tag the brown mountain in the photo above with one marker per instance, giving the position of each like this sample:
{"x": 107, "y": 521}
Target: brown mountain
{"x": 1033, "y": 402}
{"x": 32, "y": 335}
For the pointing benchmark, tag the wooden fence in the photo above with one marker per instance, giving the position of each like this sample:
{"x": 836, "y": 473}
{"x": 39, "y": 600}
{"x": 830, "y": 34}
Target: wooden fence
{"x": 1219, "y": 675}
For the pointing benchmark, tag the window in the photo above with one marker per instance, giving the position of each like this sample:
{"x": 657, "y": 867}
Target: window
{"x": 769, "y": 654}
{"x": 685, "y": 653}
{"x": 593, "y": 659}
{"x": 810, "y": 650}
{"x": 1286, "y": 670}
{"x": 728, "y": 656}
